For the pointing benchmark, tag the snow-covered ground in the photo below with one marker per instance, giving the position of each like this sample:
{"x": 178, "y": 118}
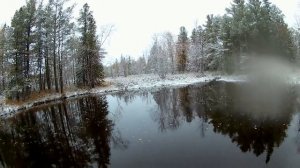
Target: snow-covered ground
{"x": 130, "y": 83}
{"x": 151, "y": 80}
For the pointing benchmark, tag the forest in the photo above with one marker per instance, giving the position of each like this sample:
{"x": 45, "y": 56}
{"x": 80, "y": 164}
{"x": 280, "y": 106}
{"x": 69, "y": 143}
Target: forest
{"x": 46, "y": 49}
{"x": 249, "y": 29}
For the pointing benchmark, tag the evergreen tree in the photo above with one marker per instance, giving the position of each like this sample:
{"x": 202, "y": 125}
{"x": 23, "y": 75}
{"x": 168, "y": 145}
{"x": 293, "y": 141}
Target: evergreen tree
{"x": 256, "y": 28}
{"x": 2, "y": 58}
{"x": 213, "y": 50}
{"x": 58, "y": 30}
{"x": 239, "y": 32}
{"x": 65, "y": 27}
{"x": 296, "y": 44}
{"x": 182, "y": 50}
{"x": 5, "y": 56}
{"x": 22, "y": 23}
{"x": 141, "y": 65}
{"x": 153, "y": 57}
{"x": 196, "y": 51}
{"x": 71, "y": 53}
{"x": 39, "y": 48}
{"x": 89, "y": 70}
{"x": 116, "y": 68}
{"x": 123, "y": 66}
{"x": 48, "y": 43}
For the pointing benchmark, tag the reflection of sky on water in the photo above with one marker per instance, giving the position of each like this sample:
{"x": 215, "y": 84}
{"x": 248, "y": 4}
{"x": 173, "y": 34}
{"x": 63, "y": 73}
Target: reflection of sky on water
{"x": 197, "y": 126}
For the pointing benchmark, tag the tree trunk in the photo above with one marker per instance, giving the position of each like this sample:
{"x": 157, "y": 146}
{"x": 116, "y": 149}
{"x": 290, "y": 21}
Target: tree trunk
{"x": 47, "y": 69}
{"x": 60, "y": 67}
{"x": 54, "y": 53}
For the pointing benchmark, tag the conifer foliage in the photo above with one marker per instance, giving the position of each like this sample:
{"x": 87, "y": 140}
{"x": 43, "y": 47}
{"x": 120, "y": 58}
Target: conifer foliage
{"x": 227, "y": 43}
{"x": 45, "y": 50}
{"x": 182, "y": 50}
{"x": 89, "y": 70}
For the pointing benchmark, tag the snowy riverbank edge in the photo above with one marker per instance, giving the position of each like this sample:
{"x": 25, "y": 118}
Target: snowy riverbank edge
{"x": 130, "y": 83}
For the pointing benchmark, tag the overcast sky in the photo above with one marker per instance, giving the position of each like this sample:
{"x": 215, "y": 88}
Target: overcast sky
{"x": 136, "y": 21}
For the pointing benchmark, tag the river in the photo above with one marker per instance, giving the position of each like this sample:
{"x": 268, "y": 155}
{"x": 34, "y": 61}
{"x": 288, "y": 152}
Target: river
{"x": 206, "y": 125}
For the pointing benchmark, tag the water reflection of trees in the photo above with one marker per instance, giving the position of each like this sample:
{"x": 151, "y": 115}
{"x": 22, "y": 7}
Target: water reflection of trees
{"x": 129, "y": 96}
{"x": 168, "y": 109}
{"x": 255, "y": 124}
{"x": 175, "y": 106}
{"x": 70, "y": 134}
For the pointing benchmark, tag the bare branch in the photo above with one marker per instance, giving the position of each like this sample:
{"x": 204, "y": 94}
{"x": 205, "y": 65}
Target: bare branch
{"x": 105, "y": 32}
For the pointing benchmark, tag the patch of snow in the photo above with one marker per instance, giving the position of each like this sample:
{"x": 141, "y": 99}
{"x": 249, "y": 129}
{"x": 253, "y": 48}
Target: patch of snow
{"x": 131, "y": 83}
{"x": 151, "y": 80}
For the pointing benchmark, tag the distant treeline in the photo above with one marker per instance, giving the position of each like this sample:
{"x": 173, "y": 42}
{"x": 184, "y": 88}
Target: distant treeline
{"x": 224, "y": 43}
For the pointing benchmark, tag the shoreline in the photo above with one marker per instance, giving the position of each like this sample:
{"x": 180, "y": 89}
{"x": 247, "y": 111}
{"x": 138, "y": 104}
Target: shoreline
{"x": 131, "y": 83}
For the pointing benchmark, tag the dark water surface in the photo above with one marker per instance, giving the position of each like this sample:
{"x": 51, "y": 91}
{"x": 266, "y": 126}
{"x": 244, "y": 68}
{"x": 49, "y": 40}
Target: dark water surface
{"x": 214, "y": 125}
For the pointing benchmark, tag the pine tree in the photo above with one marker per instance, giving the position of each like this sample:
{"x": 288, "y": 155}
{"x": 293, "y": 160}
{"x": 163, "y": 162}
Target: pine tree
{"x": 2, "y": 58}
{"x": 65, "y": 27}
{"x": 3, "y": 55}
{"x": 58, "y": 30}
{"x": 39, "y": 48}
{"x": 89, "y": 70}
{"x": 48, "y": 25}
{"x": 22, "y": 39}
{"x": 71, "y": 52}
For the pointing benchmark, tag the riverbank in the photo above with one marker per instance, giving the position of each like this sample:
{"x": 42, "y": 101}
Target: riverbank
{"x": 130, "y": 83}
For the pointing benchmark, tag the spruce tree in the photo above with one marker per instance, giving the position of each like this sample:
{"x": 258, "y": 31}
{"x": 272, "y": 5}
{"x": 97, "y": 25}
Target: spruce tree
{"x": 182, "y": 50}
{"x": 254, "y": 29}
{"x": 213, "y": 49}
{"x": 89, "y": 67}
